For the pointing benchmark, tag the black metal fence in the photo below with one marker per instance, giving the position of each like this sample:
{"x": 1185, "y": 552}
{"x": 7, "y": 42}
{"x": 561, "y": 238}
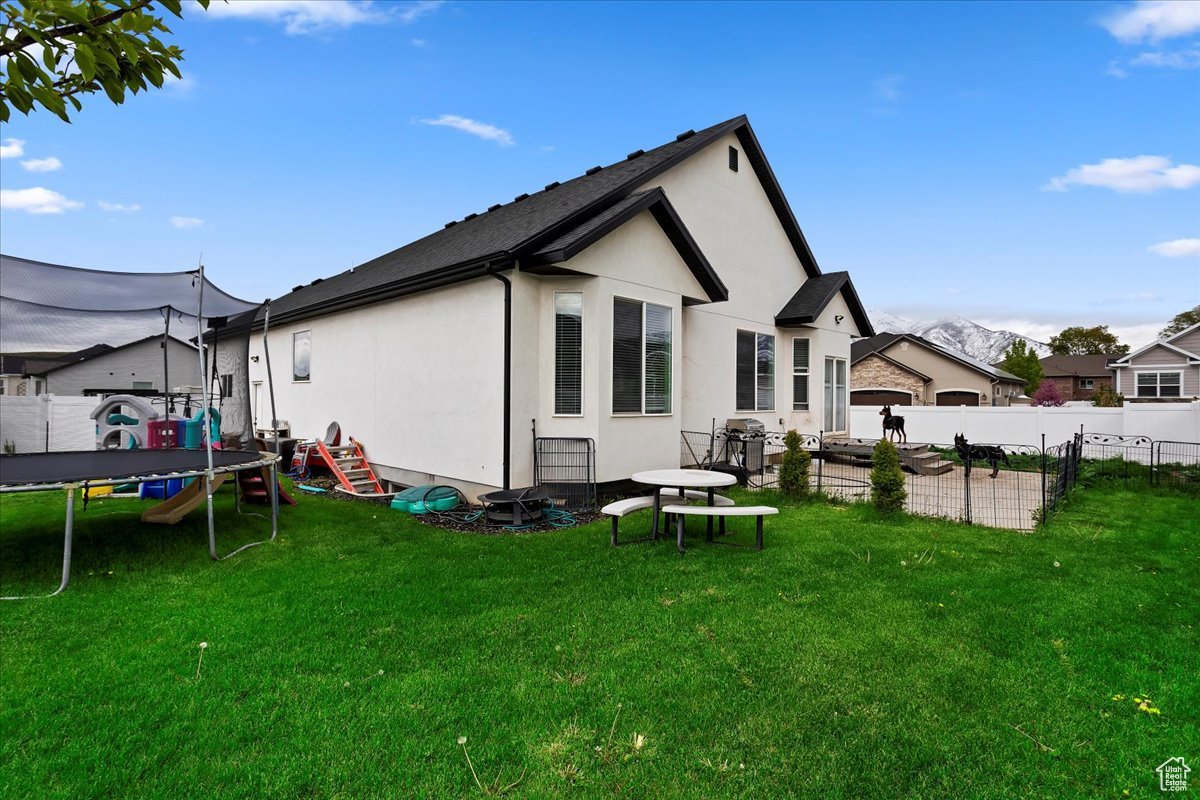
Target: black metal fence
{"x": 565, "y": 468}
{"x": 988, "y": 483}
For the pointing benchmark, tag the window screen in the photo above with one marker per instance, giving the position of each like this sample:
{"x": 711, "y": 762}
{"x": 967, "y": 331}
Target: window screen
{"x": 800, "y": 374}
{"x": 568, "y": 352}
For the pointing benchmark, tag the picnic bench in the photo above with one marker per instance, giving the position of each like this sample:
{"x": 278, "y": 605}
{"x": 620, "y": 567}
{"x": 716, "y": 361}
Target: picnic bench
{"x": 680, "y": 512}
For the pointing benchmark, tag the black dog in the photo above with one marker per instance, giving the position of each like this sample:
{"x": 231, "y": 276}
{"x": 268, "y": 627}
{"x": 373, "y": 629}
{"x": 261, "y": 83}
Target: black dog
{"x": 979, "y": 452}
{"x": 892, "y": 425}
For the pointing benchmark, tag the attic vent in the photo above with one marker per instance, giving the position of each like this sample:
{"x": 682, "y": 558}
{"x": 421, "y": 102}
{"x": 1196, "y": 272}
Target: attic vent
{"x": 904, "y": 346}
{"x": 685, "y": 135}
{"x": 318, "y": 280}
{"x": 470, "y": 216}
{"x": 635, "y": 154}
{"x": 493, "y": 208}
{"x": 520, "y": 197}
{"x": 593, "y": 170}
{"x": 550, "y": 186}
{"x": 451, "y": 223}
{"x": 297, "y": 288}
{"x": 733, "y": 159}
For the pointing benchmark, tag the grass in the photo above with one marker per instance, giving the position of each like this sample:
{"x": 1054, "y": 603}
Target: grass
{"x": 857, "y": 656}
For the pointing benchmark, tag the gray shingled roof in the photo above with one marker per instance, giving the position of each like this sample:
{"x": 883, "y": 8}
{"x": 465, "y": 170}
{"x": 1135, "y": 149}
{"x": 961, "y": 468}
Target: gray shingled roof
{"x": 501, "y": 234}
{"x": 874, "y": 344}
{"x": 810, "y": 300}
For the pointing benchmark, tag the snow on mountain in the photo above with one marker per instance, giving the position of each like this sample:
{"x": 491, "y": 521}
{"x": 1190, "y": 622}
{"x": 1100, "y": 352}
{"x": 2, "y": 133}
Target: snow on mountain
{"x": 956, "y": 333}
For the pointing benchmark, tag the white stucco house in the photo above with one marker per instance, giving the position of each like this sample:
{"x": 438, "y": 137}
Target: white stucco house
{"x": 626, "y": 305}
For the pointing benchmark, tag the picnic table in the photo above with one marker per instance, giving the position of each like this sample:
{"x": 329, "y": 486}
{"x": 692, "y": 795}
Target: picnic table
{"x": 681, "y": 480}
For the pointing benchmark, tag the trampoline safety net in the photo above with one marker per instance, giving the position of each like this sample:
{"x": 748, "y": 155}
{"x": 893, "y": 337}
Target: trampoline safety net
{"x": 101, "y": 333}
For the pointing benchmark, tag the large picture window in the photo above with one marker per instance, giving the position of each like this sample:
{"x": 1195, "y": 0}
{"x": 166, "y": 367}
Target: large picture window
{"x": 755, "y": 371}
{"x": 1158, "y": 384}
{"x": 568, "y": 352}
{"x": 302, "y": 356}
{"x": 835, "y": 395}
{"x": 641, "y": 357}
{"x": 800, "y": 374}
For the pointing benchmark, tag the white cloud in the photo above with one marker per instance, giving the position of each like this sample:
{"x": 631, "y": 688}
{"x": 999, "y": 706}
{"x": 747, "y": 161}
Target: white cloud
{"x": 1114, "y": 70}
{"x": 120, "y": 207}
{"x": 887, "y": 88}
{"x": 1176, "y": 248}
{"x": 42, "y": 164}
{"x": 1154, "y": 20}
{"x": 418, "y": 42}
{"x": 420, "y": 9}
{"x": 300, "y": 17}
{"x": 1138, "y": 174}
{"x": 186, "y": 223}
{"x": 481, "y": 129}
{"x": 38, "y": 200}
{"x": 1175, "y": 59}
{"x": 12, "y": 148}
{"x": 184, "y": 84}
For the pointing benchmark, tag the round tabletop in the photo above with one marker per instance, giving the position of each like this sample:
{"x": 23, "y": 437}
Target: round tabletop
{"x": 684, "y": 478}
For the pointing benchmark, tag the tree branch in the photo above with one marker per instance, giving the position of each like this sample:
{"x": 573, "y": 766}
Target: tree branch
{"x": 23, "y": 40}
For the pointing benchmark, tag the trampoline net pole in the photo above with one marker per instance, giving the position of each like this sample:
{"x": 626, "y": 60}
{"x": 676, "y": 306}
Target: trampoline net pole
{"x": 205, "y": 389}
{"x": 67, "y": 536}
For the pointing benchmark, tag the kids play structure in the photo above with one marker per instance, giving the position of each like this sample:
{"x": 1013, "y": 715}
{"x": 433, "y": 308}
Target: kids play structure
{"x": 157, "y": 442}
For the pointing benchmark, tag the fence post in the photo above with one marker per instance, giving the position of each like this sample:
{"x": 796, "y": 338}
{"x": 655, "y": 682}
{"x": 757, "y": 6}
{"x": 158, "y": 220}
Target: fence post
{"x": 967, "y": 488}
{"x": 1043, "y": 479}
{"x": 821, "y": 459}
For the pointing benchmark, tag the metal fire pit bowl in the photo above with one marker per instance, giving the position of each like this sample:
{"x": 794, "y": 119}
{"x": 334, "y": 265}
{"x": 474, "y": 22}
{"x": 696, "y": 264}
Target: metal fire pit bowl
{"x": 514, "y": 506}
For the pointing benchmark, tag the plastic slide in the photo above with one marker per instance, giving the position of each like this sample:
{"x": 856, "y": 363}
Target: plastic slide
{"x": 177, "y": 507}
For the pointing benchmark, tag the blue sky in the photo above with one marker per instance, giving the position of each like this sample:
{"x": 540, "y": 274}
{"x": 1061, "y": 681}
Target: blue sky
{"x": 1026, "y": 165}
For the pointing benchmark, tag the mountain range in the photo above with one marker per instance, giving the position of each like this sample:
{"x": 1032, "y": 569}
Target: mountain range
{"x": 956, "y": 333}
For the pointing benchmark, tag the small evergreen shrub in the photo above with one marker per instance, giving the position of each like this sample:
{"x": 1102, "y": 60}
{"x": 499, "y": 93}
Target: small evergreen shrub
{"x": 793, "y": 472}
{"x": 887, "y": 480}
{"x": 1106, "y": 397}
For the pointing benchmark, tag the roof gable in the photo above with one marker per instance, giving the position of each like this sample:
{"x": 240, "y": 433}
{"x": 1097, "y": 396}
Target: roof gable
{"x": 655, "y": 201}
{"x": 811, "y": 299}
{"x": 1161, "y": 342}
{"x": 876, "y": 344}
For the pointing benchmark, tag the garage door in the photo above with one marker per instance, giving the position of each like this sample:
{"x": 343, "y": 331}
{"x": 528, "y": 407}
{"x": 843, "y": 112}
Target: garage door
{"x": 879, "y": 397}
{"x": 958, "y": 398}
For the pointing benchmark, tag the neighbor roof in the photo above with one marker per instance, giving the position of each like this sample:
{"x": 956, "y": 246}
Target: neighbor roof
{"x": 810, "y": 300}
{"x": 104, "y": 349}
{"x": 41, "y": 363}
{"x": 495, "y": 240}
{"x": 1164, "y": 342}
{"x": 862, "y": 348}
{"x": 1076, "y": 366}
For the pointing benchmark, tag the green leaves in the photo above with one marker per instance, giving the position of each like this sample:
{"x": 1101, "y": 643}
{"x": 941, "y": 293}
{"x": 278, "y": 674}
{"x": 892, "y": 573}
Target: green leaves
{"x": 53, "y": 50}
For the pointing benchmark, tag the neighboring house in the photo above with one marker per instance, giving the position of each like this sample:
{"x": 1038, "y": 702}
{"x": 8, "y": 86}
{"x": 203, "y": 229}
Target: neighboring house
{"x": 1078, "y": 377}
{"x": 23, "y": 374}
{"x": 134, "y": 366}
{"x": 906, "y": 369}
{"x": 626, "y": 305}
{"x": 1162, "y": 371}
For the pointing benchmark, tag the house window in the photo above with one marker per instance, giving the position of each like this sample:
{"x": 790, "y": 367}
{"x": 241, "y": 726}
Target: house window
{"x": 733, "y": 159}
{"x": 226, "y": 382}
{"x": 641, "y": 357}
{"x": 1158, "y": 384}
{"x": 568, "y": 352}
{"x": 800, "y": 374}
{"x": 755, "y": 371}
{"x": 835, "y": 394}
{"x": 1087, "y": 383}
{"x": 143, "y": 384}
{"x": 302, "y": 356}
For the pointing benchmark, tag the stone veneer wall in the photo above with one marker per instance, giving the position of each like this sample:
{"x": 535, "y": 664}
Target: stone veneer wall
{"x": 874, "y": 372}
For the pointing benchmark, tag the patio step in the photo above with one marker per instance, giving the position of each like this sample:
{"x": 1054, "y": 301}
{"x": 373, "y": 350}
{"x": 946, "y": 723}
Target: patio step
{"x": 926, "y": 463}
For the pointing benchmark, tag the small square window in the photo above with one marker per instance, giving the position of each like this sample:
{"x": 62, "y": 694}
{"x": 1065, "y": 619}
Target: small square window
{"x": 733, "y": 159}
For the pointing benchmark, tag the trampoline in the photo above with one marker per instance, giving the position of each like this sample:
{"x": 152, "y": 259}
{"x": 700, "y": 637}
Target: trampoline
{"x": 74, "y": 470}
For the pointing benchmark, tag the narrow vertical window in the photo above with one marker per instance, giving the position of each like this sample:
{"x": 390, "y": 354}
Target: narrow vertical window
{"x": 641, "y": 358}
{"x": 568, "y": 352}
{"x": 835, "y": 395}
{"x": 755, "y": 371}
{"x": 302, "y": 356}
{"x": 800, "y": 374}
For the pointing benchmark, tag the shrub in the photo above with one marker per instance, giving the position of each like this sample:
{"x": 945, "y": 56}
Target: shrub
{"x": 793, "y": 473}
{"x": 1047, "y": 394}
{"x": 887, "y": 479}
{"x": 1106, "y": 397}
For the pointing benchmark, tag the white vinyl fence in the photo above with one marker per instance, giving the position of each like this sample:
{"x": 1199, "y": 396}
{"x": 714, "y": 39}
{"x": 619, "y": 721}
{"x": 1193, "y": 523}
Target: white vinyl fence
{"x": 47, "y": 423}
{"x": 1024, "y": 425}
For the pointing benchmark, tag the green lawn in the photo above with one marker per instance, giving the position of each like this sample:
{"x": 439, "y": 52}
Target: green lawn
{"x": 854, "y": 657}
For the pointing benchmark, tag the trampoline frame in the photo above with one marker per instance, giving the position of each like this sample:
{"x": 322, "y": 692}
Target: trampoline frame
{"x": 269, "y": 460}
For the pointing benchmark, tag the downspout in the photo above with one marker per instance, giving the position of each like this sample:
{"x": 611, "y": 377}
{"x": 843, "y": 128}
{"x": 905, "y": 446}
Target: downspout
{"x": 507, "y": 371}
